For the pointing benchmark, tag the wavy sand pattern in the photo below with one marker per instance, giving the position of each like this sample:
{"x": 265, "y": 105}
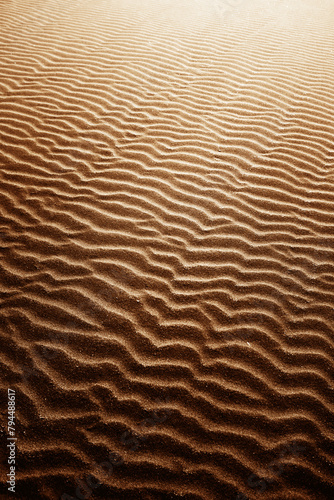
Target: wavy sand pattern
{"x": 167, "y": 175}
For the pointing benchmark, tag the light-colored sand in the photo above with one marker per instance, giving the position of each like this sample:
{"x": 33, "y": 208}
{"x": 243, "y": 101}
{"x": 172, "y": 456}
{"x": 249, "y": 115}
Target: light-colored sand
{"x": 167, "y": 175}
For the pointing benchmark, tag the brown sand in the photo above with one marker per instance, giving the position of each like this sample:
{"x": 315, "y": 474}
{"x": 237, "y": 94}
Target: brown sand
{"x": 167, "y": 247}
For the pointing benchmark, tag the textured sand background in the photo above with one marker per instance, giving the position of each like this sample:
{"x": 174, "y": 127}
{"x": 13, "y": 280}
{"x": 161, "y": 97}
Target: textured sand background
{"x": 167, "y": 175}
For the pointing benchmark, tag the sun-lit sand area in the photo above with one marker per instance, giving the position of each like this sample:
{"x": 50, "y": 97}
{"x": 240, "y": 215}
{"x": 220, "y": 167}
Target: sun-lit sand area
{"x": 167, "y": 244}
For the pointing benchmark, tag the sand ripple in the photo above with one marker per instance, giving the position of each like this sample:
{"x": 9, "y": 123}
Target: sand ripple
{"x": 167, "y": 246}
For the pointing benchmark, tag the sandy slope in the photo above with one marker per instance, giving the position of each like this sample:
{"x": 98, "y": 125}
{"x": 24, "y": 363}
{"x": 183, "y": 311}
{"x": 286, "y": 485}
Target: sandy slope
{"x": 167, "y": 247}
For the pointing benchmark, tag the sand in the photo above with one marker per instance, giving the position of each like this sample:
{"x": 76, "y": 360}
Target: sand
{"x": 167, "y": 221}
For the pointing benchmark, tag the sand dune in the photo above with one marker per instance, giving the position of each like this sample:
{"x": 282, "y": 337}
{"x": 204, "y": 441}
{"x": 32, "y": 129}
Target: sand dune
{"x": 167, "y": 237}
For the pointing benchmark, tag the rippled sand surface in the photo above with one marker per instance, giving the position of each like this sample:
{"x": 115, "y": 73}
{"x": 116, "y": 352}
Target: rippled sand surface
{"x": 167, "y": 221}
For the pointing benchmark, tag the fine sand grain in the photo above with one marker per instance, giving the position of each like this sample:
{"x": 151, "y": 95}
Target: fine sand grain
{"x": 167, "y": 222}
